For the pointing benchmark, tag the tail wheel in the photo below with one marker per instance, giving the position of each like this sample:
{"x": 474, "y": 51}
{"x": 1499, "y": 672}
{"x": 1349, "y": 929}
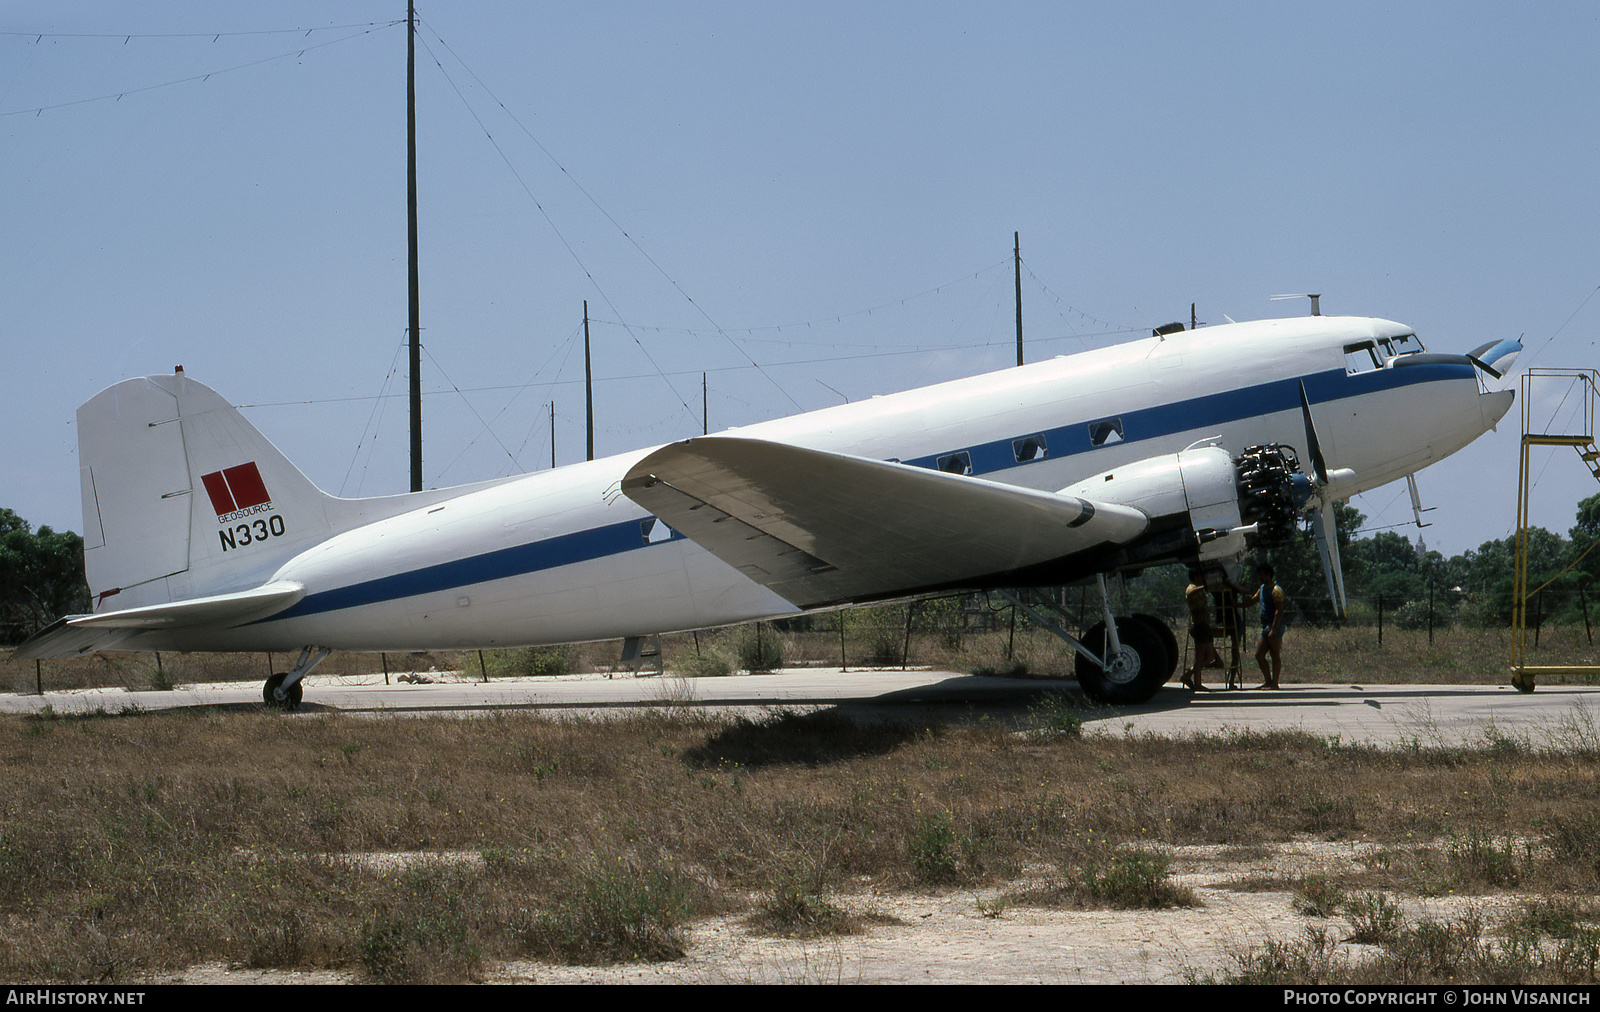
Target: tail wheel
{"x": 1134, "y": 675}
{"x": 1168, "y": 640}
{"x": 291, "y": 697}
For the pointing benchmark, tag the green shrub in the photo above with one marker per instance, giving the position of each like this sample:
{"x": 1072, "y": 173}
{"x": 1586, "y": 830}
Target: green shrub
{"x": 761, "y": 651}
{"x": 1132, "y": 879}
{"x": 1374, "y": 918}
{"x": 615, "y": 909}
{"x": 1316, "y": 896}
{"x": 796, "y": 905}
{"x": 931, "y": 850}
{"x": 528, "y": 662}
{"x": 713, "y": 662}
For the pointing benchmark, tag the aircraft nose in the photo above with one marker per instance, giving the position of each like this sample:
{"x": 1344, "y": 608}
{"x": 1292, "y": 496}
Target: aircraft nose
{"x": 1493, "y": 405}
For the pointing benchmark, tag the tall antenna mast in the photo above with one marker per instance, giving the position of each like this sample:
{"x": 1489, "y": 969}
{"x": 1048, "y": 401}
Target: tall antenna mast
{"x": 1016, "y": 252}
{"x": 588, "y": 380}
{"x": 411, "y": 229}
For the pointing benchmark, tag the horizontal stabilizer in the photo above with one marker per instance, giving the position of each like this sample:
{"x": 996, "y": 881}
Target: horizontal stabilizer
{"x": 81, "y": 634}
{"x": 824, "y": 528}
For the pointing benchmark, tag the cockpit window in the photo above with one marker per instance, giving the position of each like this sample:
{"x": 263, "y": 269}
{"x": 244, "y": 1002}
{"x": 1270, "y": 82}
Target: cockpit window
{"x": 1361, "y": 357}
{"x": 1405, "y": 344}
{"x": 1379, "y": 354}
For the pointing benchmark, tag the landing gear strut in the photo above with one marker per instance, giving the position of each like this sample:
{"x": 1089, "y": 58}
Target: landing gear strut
{"x": 283, "y": 690}
{"x": 1131, "y": 674}
{"x": 1141, "y": 655}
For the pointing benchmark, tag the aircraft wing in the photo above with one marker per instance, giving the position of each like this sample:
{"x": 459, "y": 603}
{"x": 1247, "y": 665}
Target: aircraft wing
{"x": 81, "y": 634}
{"x": 825, "y": 528}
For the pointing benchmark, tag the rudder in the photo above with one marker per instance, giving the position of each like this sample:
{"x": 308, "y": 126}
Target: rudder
{"x": 182, "y": 497}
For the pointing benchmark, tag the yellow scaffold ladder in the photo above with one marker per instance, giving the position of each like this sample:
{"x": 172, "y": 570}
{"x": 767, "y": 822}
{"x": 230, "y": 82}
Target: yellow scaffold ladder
{"x": 1587, "y": 383}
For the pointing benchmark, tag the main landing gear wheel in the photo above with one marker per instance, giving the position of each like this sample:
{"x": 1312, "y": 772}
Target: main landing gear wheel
{"x": 1134, "y": 675}
{"x": 291, "y": 698}
{"x": 1168, "y": 640}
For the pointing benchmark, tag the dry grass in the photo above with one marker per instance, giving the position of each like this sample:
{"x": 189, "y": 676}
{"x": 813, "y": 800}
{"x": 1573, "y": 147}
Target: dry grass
{"x": 1351, "y": 654}
{"x": 149, "y": 841}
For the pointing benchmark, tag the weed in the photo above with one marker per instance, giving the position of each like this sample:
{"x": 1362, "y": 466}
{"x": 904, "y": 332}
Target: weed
{"x": 1575, "y": 839}
{"x": 1133, "y": 878}
{"x": 761, "y": 651}
{"x": 931, "y": 850}
{"x": 1313, "y": 960}
{"x": 420, "y": 932}
{"x": 796, "y": 905}
{"x": 528, "y": 662}
{"x": 1016, "y": 668}
{"x": 1318, "y": 896}
{"x": 1555, "y": 918}
{"x": 1374, "y": 918}
{"x": 1055, "y": 714}
{"x": 713, "y": 662}
{"x": 615, "y": 909}
{"x": 992, "y": 908}
{"x": 161, "y": 679}
{"x": 1478, "y": 857}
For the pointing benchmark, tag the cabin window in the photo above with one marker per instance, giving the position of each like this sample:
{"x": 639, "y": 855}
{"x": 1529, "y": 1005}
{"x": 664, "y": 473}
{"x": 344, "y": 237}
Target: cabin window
{"x": 1361, "y": 357}
{"x": 1105, "y": 432}
{"x": 959, "y": 462}
{"x": 1029, "y": 448}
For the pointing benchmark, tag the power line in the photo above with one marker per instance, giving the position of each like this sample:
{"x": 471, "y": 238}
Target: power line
{"x": 119, "y": 95}
{"x": 624, "y": 232}
{"x": 199, "y": 35}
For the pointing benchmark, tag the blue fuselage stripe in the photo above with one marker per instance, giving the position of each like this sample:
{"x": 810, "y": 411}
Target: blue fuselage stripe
{"x": 1141, "y": 424}
{"x": 501, "y": 564}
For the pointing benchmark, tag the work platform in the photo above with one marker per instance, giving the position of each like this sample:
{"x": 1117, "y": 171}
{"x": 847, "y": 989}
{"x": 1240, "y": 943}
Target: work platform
{"x": 1585, "y": 384}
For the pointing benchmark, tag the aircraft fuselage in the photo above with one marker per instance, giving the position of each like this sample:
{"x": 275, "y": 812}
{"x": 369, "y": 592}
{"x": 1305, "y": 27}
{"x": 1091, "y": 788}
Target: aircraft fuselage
{"x": 563, "y": 556}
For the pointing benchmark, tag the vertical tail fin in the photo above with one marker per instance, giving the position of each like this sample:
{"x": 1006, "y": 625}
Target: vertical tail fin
{"x": 182, "y": 497}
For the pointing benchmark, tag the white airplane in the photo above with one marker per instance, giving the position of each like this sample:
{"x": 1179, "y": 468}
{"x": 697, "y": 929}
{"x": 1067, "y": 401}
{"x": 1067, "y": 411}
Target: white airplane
{"x": 1182, "y": 447}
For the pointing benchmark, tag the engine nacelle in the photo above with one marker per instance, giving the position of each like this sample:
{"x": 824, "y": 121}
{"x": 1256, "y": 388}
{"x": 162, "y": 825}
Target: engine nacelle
{"x": 1211, "y": 501}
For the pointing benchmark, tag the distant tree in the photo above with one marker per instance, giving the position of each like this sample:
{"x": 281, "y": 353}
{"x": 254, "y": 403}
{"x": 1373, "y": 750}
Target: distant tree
{"x": 1585, "y": 545}
{"x": 1297, "y": 566}
{"x": 41, "y": 576}
{"x": 1390, "y": 567}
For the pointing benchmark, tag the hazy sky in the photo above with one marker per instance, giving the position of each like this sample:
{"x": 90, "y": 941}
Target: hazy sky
{"x": 222, "y": 185}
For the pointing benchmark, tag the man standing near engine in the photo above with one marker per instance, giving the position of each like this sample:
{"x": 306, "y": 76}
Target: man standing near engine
{"x": 1272, "y": 604}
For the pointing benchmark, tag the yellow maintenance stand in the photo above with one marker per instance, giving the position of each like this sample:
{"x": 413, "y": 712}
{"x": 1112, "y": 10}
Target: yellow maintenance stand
{"x": 1583, "y": 384}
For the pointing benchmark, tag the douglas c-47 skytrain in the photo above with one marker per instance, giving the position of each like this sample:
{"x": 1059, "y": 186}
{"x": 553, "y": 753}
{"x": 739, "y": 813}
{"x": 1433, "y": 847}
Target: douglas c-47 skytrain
{"x": 1186, "y": 447}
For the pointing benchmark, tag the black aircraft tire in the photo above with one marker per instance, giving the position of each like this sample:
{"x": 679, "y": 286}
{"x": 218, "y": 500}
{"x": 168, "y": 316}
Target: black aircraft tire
{"x": 292, "y": 699}
{"x": 1168, "y": 640}
{"x": 1144, "y": 669}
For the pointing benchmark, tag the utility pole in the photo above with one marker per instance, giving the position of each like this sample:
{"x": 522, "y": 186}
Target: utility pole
{"x": 552, "y": 435}
{"x": 1016, "y": 252}
{"x": 588, "y": 380}
{"x": 705, "y": 416}
{"x": 411, "y": 229}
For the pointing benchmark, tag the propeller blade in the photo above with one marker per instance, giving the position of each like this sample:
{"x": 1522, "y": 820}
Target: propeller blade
{"x": 1325, "y": 529}
{"x": 1313, "y": 445}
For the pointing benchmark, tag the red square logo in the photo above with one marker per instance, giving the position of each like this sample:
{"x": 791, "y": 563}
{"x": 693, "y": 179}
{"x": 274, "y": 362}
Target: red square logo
{"x": 235, "y": 488}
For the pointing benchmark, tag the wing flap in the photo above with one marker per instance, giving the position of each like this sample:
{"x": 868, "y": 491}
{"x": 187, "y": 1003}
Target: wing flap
{"x": 81, "y": 634}
{"x": 829, "y": 528}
